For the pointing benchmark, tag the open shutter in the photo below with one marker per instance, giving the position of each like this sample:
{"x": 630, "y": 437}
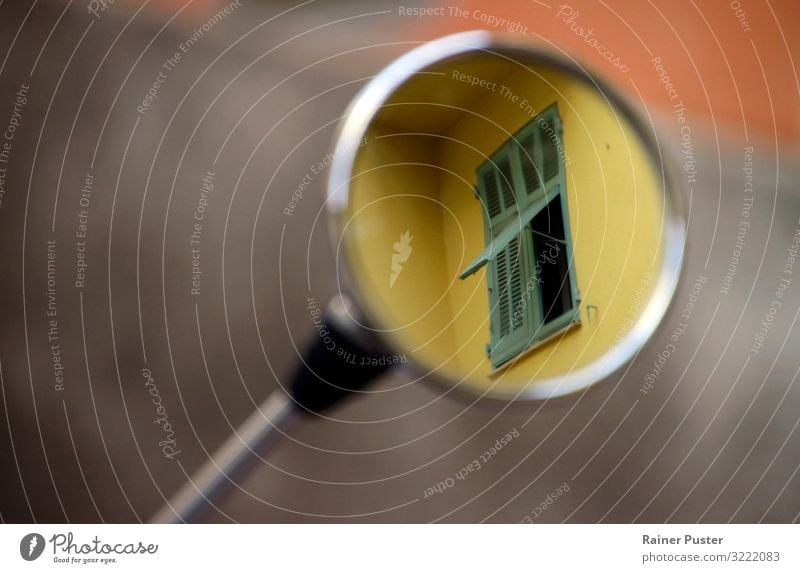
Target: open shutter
{"x": 508, "y": 232}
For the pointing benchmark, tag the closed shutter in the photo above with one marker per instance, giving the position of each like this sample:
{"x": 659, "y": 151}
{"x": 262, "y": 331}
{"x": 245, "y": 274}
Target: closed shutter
{"x": 496, "y": 188}
{"x": 506, "y": 180}
{"x": 538, "y": 153}
{"x": 491, "y": 195}
{"x": 509, "y": 309}
{"x": 548, "y": 141}
{"x": 527, "y": 160}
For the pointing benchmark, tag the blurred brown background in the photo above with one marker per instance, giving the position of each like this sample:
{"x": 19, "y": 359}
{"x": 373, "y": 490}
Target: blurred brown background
{"x": 255, "y": 100}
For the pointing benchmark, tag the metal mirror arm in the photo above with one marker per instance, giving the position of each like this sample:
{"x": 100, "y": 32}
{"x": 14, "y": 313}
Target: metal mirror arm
{"x": 340, "y": 361}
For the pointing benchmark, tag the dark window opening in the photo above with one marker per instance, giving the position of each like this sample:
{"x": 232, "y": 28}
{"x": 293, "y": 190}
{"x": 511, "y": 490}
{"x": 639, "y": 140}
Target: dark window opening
{"x": 551, "y": 266}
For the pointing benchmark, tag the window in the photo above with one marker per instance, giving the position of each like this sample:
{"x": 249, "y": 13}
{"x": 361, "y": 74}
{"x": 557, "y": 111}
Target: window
{"x": 530, "y": 271}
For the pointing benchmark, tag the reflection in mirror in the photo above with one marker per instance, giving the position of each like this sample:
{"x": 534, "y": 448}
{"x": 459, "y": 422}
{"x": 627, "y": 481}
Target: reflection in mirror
{"x": 498, "y": 197}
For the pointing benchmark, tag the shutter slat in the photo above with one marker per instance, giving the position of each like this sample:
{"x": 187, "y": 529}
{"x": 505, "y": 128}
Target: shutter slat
{"x": 509, "y": 281}
{"x": 506, "y": 184}
{"x": 493, "y": 205}
{"x": 547, "y": 140}
{"x": 526, "y": 156}
{"x": 515, "y": 285}
{"x": 502, "y": 280}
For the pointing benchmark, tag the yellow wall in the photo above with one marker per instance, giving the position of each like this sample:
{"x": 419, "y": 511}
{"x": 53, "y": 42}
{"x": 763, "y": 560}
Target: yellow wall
{"x": 391, "y": 193}
{"x": 615, "y": 216}
{"x": 614, "y": 210}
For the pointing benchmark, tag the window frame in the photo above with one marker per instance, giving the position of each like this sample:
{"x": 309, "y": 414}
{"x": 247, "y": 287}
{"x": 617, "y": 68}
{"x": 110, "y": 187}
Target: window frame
{"x": 513, "y": 223}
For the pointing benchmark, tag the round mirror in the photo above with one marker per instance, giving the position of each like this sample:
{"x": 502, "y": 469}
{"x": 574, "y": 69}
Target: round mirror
{"x": 504, "y": 220}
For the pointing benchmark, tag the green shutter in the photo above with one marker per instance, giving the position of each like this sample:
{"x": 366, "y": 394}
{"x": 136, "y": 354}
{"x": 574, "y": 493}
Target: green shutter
{"x": 490, "y": 193}
{"x": 497, "y": 241}
{"x": 506, "y": 182}
{"x": 510, "y": 310}
{"x": 527, "y": 159}
{"x": 548, "y": 138}
{"x": 496, "y": 186}
{"x": 523, "y": 189}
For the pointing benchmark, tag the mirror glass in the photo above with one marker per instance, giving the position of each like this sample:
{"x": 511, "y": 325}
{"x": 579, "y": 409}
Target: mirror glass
{"x": 505, "y": 221}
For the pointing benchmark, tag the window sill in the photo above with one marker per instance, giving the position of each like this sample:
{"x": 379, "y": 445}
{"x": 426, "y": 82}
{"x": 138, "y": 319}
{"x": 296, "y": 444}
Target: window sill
{"x": 571, "y": 322}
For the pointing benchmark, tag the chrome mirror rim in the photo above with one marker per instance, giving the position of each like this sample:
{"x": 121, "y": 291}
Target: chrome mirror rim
{"x": 366, "y": 105}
